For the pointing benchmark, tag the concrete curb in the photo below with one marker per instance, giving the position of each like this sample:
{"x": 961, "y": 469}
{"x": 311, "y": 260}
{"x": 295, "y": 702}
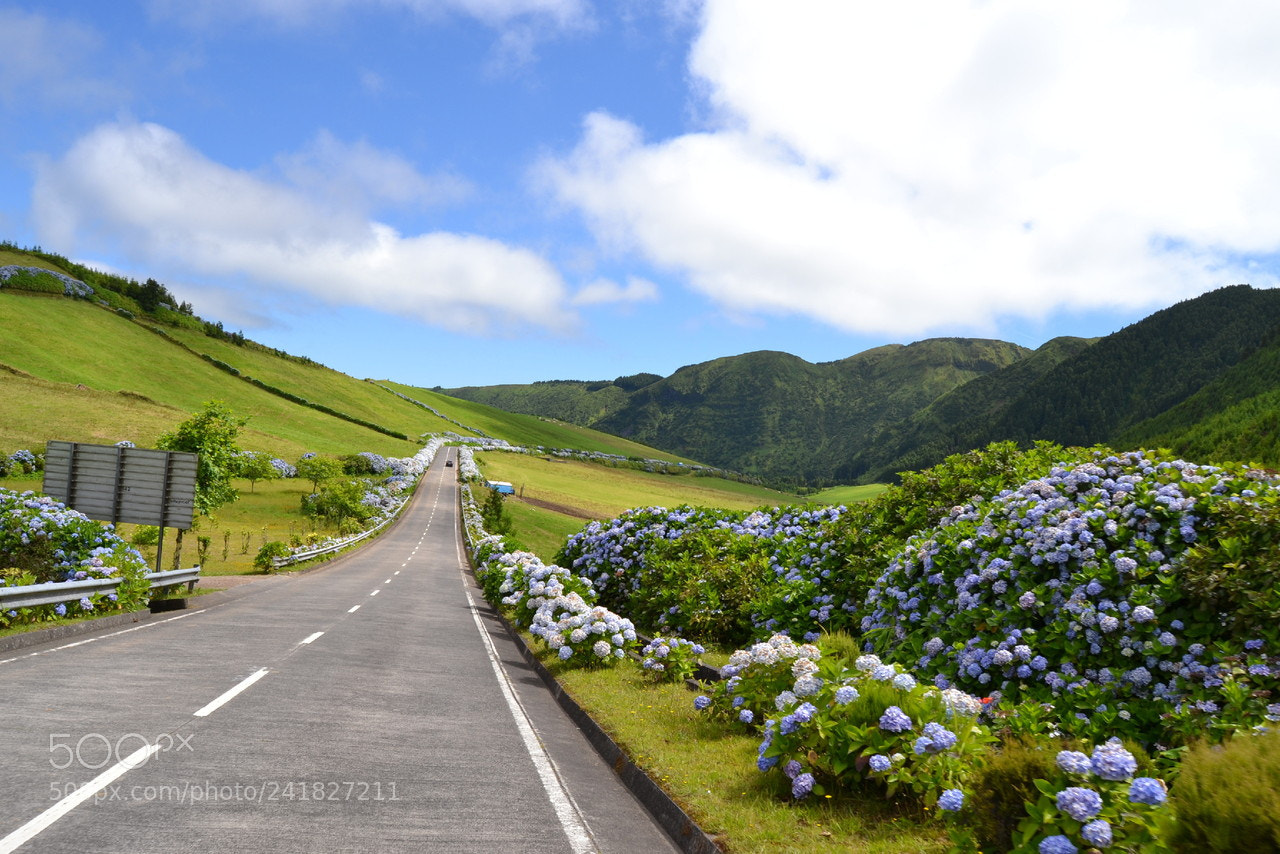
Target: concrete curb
{"x": 682, "y": 829}
{"x": 36, "y": 637}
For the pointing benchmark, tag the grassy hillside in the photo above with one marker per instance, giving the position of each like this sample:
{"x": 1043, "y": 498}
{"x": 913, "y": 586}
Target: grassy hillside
{"x": 146, "y": 385}
{"x": 73, "y": 369}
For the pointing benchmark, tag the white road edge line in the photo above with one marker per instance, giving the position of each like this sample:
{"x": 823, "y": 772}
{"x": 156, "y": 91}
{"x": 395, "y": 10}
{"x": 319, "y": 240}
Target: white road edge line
{"x": 226, "y": 697}
{"x": 353, "y": 609}
{"x": 43, "y": 821}
{"x": 312, "y": 637}
{"x": 103, "y": 637}
{"x": 571, "y": 820}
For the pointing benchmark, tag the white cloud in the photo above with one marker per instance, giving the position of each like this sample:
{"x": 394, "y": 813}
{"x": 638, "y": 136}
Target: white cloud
{"x": 363, "y": 177}
{"x": 603, "y": 291}
{"x": 890, "y": 168}
{"x": 52, "y": 63}
{"x": 142, "y": 186}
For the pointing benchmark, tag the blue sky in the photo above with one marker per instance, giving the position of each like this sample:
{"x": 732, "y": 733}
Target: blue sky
{"x": 461, "y": 192}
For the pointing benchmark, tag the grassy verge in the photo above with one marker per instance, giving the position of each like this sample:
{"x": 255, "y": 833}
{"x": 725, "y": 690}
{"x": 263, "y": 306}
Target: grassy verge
{"x": 711, "y": 772}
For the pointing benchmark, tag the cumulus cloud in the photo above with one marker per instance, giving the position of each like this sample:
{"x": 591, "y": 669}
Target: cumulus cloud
{"x": 604, "y": 291}
{"x": 143, "y": 187}
{"x": 358, "y": 175}
{"x": 51, "y": 62}
{"x": 887, "y": 168}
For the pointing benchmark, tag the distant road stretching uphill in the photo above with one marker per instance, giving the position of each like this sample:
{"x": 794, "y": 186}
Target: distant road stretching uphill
{"x": 375, "y": 705}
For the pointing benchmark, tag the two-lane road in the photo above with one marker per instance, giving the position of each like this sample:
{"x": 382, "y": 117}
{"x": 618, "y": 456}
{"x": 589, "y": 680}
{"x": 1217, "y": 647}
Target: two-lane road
{"x": 374, "y": 705}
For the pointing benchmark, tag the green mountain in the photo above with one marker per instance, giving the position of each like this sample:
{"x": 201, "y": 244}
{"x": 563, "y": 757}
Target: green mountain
{"x": 1201, "y": 377}
{"x": 767, "y": 413}
{"x": 957, "y": 421}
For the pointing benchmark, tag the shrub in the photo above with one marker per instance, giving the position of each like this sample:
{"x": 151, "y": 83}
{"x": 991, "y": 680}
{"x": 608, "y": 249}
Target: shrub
{"x": 1227, "y": 798}
{"x": 43, "y": 541}
{"x": 704, "y": 584}
{"x": 1096, "y": 798}
{"x": 670, "y": 659}
{"x": 872, "y": 727}
{"x": 36, "y": 281}
{"x": 999, "y": 790}
{"x": 268, "y": 552}
{"x": 146, "y": 535}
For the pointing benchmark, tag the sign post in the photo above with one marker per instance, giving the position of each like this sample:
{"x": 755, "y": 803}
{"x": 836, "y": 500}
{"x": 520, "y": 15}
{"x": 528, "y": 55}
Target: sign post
{"x": 116, "y": 484}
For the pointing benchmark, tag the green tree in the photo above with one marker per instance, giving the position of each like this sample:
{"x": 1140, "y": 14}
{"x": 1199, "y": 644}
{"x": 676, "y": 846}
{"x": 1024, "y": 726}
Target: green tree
{"x": 494, "y": 514}
{"x": 211, "y": 435}
{"x": 338, "y": 501}
{"x": 254, "y": 467}
{"x": 317, "y": 469}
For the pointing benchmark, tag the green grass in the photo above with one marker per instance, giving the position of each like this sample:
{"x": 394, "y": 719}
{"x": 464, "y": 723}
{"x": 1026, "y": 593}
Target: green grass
{"x": 602, "y": 492}
{"x": 539, "y": 530}
{"x": 147, "y": 387}
{"x": 845, "y": 494}
{"x": 711, "y": 772}
{"x": 21, "y": 259}
{"x": 316, "y": 383}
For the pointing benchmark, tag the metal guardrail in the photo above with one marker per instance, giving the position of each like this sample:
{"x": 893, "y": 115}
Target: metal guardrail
{"x": 55, "y": 592}
{"x": 169, "y": 577}
{"x": 298, "y": 557}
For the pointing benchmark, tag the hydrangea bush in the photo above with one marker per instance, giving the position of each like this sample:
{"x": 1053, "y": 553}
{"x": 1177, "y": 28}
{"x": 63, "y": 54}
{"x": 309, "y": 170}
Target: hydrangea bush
{"x": 44, "y": 541}
{"x": 1066, "y": 590}
{"x": 829, "y": 726}
{"x": 671, "y": 658}
{"x": 1096, "y": 800}
{"x": 717, "y": 574}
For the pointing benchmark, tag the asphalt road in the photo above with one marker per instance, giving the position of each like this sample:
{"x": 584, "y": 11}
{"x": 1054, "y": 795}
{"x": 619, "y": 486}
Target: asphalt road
{"x": 374, "y": 705}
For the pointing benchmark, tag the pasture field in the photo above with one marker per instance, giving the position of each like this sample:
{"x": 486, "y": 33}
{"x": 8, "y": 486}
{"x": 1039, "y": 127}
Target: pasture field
{"x": 845, "y": 494}
{"x": 602, "y": 492}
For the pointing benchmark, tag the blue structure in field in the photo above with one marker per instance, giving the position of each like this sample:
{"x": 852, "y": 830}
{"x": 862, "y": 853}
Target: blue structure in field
{"x": 501, "y": 486}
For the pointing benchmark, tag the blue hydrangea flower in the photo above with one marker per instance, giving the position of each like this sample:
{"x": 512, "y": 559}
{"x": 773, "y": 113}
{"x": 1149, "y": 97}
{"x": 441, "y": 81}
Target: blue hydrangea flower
{"x": 952, "y": 800}
{"x": 801, "y": 786}
{"x": 701, "y": 702}
{"x": 1074, "y": 762}
{"x": 1057, "y": 844}
{"x": 746, "y": 716}
{"x": 880, "y": 763}
{"x": 1147, "y": 790}
{"x": 1078, "y": 802}
{"x": 792, "y": 768}
{"x": 1112, "y": 762}
{"x": 846, "y": 694}
{"x": 1097, "y": 833}
{"x": 895, "y": 720}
